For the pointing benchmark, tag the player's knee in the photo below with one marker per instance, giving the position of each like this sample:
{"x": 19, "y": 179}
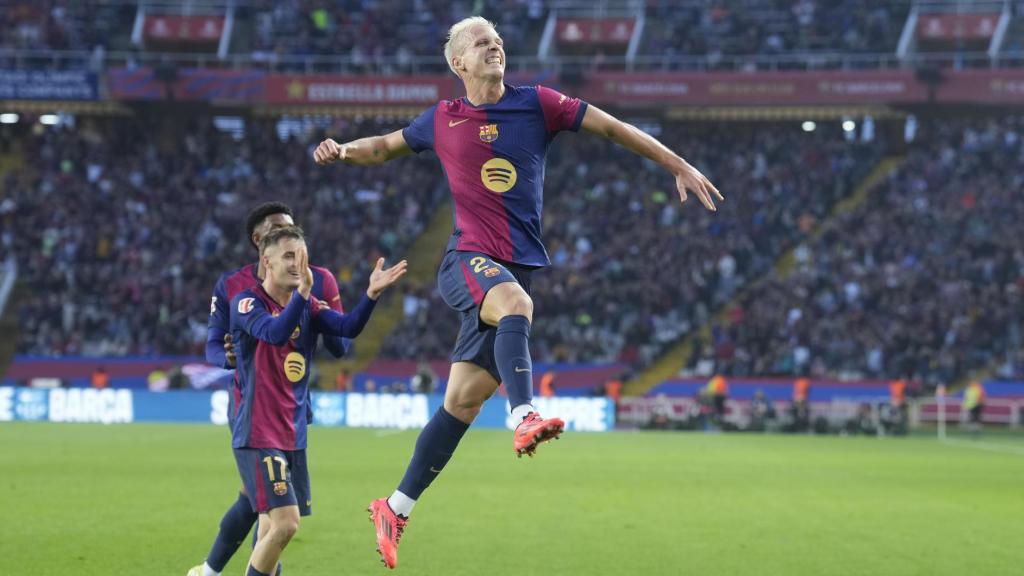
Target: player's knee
{"x": 465, "y": 409}
{"x": 521, "y": 305}
{"x": 284, "y": 530}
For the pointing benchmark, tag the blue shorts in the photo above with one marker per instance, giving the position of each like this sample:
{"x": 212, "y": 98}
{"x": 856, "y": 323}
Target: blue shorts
{"x": 463, "y": 280}
{"x": 275, "y": 478}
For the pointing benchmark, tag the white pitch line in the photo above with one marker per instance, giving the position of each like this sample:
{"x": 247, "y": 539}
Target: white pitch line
{"x": 985, "y": 446}
{"x": 388, "y": 432}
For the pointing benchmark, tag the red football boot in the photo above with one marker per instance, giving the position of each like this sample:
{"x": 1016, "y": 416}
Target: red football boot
{"x": 389, "y": 530}
{"x": 534, "y": 431}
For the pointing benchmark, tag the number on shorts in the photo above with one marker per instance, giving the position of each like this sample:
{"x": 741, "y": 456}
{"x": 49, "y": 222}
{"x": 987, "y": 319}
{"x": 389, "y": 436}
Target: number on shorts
{"x": 478, "y": 263}
{"x": 270, "y": 467}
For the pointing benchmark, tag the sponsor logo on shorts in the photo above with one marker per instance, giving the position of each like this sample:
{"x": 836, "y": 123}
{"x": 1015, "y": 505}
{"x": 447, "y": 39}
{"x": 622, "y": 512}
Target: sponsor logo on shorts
{"x": 280, "y": 488}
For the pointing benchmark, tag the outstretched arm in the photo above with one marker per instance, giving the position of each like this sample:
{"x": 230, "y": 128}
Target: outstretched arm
{"x": 332, "y": 323}
{"x": 350, "y": 325}
{"x": 688, "y": 178}
{"x": 363, "y": 152}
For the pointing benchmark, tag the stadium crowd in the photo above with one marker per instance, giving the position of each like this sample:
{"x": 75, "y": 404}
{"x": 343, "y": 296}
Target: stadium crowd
{"x": 386, "y": 36}
{"x": 713, "y": 29}
{"x": 381, "y": 36}
{"x": 921, "y": 282}
{"x": 632, "y": 270}
{"x": 121, "y": 236}
{"x": 62, "y": 24}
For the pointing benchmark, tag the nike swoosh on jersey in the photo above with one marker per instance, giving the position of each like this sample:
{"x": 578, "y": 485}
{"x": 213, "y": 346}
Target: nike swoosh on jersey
{"x": 453, "y": 123}
{"x": 518, "y": 369}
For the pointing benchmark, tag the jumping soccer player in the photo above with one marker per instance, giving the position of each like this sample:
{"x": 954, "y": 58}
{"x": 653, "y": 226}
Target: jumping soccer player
{"x": 275, "y": 327}
{"x": 240, "y": 516}
{"x": 492, "y": 144}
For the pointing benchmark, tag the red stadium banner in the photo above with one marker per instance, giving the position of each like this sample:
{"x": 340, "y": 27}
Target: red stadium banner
{"x": 595, "y": 30}
{"x": 730, "y": 89}
{"x": 183, "y": 29}
{"x": 951, "y": 27}
{"x": 983, "y": 87}
{"x": 360, "y": 90}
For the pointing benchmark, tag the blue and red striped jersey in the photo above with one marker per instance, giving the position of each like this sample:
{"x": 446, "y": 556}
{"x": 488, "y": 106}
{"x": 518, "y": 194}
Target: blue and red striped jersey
{"x": 493, "y": 156}
{"x": 274, "y": 345}
{"x": 325, "y": 288}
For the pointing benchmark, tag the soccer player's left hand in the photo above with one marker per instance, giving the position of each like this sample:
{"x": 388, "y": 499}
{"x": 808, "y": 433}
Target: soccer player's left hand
{"x": 306, "y": 275}
{"x": 380, "y": 278}
{"x": 689, "y": 178}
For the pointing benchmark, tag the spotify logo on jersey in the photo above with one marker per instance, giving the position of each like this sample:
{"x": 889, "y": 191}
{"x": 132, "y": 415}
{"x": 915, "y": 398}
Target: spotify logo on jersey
{"x": 294, "y": 367}
{"x": 498, "y": 175}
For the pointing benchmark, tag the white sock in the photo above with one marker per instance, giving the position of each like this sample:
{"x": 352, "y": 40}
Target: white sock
{"x": 207, "y": 571}
{"x": 520, "y": 412}
{"x": 401, "y": 504}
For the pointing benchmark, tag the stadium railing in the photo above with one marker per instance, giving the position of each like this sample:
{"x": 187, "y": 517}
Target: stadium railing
{"x": 322, "y": 64}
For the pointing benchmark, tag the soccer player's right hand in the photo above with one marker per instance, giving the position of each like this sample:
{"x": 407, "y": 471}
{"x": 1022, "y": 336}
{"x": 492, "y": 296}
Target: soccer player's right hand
{"x": 305, "y": 274}
{"x": 380, "y": 278}
{"x": 328, "y": 152}
{"x": 229, "y": 350}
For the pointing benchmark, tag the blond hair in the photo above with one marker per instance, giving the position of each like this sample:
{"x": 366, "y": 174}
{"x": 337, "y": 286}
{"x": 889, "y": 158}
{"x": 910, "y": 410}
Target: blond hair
{"x": 457, "y": 40}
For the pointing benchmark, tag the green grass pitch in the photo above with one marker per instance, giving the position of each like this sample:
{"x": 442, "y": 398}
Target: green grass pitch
{"x": 146, "y": 499}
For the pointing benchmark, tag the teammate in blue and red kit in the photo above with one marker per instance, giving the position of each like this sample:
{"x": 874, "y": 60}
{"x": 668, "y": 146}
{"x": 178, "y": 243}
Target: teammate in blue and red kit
{"x": 275, "y": 327}
{"x": 240, "y": 516}
{"x": 492, "y": 144}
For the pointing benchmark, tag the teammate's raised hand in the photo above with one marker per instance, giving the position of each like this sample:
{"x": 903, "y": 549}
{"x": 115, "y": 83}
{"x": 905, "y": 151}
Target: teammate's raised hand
{"x": 689, "y": 178}
{"x": 329, "y": 152}
{"x": 305, "y": 274}
{"x": 380, "y": 278}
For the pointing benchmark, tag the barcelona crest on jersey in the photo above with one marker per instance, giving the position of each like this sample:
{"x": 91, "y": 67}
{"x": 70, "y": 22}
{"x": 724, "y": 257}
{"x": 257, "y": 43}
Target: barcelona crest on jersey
{"x": 489, "y": 132}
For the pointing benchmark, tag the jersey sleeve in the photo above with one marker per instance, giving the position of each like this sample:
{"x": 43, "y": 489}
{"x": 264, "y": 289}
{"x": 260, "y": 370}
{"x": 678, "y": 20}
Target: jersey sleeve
{"x": 560, "y": 111}
{"x": 336, "y": 345}
{"x": 419, "y": 134}
{"x": 217, "y": 326}
{"x": 251, "y": 316}
{"x": 349, "y": 325}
